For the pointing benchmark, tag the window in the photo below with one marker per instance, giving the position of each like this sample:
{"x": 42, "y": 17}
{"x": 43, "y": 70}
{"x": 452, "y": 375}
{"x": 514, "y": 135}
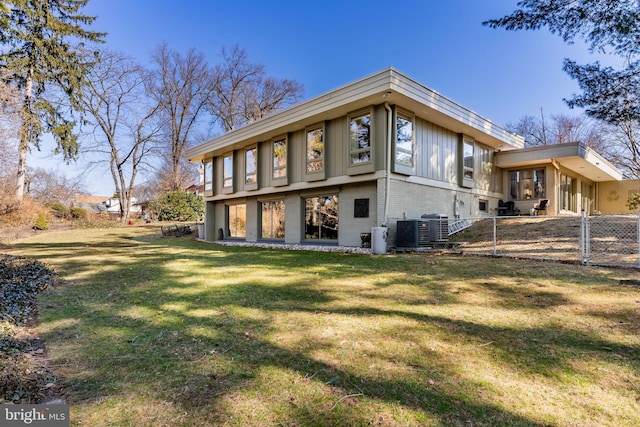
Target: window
{"x": 404, "y": 140}
{"x": 250, "y": 166}
{"x": 227, "y": 171}
{"x": 272, "y": 220}
{"x": 321, "y": 218}
{"x": 280, "y": 158}
{"x": 315, "y": 150}
{"x": 360, "y": 139}
{"x": 527, "y": 184}
{"x": 483, "y": 205}
{"x": 208, "y": 177}
{"x": 237, "y": 226}
{"x": 567, "y": 193}
{"x": 467, "y": 159}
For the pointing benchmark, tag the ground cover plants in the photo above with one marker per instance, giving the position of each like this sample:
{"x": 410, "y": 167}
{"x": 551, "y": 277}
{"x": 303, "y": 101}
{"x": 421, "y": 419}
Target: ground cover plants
{"x": 146, "y": 330}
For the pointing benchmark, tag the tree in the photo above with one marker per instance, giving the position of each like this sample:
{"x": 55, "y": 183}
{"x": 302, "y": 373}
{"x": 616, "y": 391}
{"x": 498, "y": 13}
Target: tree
{"x": 49, "y": 186}
{"x": 181, "y": 86}
{"x": 560, "y": 129}
{"x": 124, "y": 122}
{"x": 243, "y": 93}
{"x": 179, "y": 206}
{"x": 9, "y": 125}
{"x": 608, "y": 94}
{"x": 39, "y": 40}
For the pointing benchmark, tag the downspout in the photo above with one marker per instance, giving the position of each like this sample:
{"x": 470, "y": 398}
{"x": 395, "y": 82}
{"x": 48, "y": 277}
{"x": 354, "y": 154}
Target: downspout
{"x": 387, "y": 186}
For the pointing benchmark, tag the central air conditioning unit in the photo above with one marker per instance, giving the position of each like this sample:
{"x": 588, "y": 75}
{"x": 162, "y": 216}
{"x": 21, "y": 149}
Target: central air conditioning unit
{"x": 412, "y": 234}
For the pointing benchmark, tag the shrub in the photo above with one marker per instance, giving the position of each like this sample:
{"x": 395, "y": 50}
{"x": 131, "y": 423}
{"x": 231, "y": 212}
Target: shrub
{"x": 59, "y": 210}
{"x": 78, "y": 213}
{"x": 42, "y": 223}
{"x": 179, "y": 206}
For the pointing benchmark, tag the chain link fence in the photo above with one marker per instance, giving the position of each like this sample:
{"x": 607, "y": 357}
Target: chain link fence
{"x": 608, "y": 240}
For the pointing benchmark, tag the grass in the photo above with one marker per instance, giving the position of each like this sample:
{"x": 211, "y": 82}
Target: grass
{"x": 154, "y": 331}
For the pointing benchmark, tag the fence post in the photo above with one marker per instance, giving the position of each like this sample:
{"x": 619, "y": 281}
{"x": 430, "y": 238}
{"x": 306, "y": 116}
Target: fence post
{"x": 582, "y": 238}
{"x": 494, "y": 237}
{"x": 638, "y": 237}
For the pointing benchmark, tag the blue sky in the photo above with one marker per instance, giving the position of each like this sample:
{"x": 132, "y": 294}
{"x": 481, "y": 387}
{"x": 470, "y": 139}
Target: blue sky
{"x": 501, "y": 75}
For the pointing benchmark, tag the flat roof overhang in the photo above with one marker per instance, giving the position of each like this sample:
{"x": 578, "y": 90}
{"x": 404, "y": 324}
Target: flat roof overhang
{"x": 386, "y": 86}
{"x": 572, "y": 156}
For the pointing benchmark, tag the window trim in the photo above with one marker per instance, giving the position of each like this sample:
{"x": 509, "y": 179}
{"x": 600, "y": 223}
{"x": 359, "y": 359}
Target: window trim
{"x": 325, "y": 195}
{"x": 208, "y": 177}
{"x": 253, "y": 185}
{"x": 279, "y": 180}
{"x": 261, "y": 223}
{"x": 362, "y": 167}
{"x": 534, "y": 193}
{"x": 463, "y": 168}
{"x": 228, "y": 220}
{"x": 320, "y": 173}
{"x": 401, "y": 167}
{"x": 228, "y": 181}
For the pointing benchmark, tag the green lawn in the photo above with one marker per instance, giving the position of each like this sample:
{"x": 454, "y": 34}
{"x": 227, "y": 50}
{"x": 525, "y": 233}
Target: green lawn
{"x": 154, "y": 331}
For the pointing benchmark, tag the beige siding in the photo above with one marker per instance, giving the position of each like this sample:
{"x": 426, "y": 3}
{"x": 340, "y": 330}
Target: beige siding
{"x": 612, "y": 196}
{"x": 350, "y": 227}
{"x": 437, "y": 148}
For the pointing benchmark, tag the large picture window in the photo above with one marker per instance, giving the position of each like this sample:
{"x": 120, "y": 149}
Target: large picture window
{"x": 227, "y": 171}
{"x": 251, "y": 166}
{"x": 404, "y": 140}
{"x": 360, "y": 139}
{"x": 237, "y": 227}
{"x": 321, "y": 218}
{"x": 315, "y": 150}
{"x": 272, "y": 224}
{"x": 527, "y": 184}
{"x": 280, "y": 158}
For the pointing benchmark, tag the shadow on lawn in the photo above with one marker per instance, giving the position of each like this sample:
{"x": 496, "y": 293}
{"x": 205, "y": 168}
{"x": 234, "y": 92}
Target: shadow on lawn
{"x": 221, "y": 352}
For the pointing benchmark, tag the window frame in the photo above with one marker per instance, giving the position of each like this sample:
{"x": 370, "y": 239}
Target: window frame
{"x": 228, "y": 180}
{"x": 208, "y": 177}
{"x": 233, "y": 207}
{"x": 399, "y": 166}
{"x": 320, "y": 237}
{"x": 518, "y": 190}
{"x": 282, "y": 179}
{"x": 262, "y": 204}
{"x": 311, "y": 175}
{"x": 466, "y": 169}
{"x": 251, "y": 184}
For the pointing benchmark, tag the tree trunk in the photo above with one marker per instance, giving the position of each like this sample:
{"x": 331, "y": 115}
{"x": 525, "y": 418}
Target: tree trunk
{"x": 23, "y": 148}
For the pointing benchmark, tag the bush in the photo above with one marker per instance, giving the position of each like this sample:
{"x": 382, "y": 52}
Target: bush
{"x": 179, "y": 206}
{"x": 78, "y": 213}
{"x": 42, "y": 223}
{"x": 59, "y": 210}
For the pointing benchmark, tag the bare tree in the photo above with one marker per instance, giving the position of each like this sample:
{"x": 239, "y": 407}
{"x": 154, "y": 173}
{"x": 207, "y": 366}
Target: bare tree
{"x": 560, "y": 129}
{"x": 623, "y": 149}
{"x": 243, "y": 93}
{"x": 181, "y": 85}
{"x": 124, "y": 122}
{"x": 49, "y": 186}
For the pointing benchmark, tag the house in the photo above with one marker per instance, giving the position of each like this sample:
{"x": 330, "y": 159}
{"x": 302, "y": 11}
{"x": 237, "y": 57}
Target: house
{"x": 107, "y": 204}
{"x": 378, "y": 150}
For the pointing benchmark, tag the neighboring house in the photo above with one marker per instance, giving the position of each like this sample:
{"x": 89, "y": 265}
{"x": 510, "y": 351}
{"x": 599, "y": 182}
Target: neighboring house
{"x": 197, "y": 185}
{"x": 109, "y": 205}
{"x": 375, "y": 151}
